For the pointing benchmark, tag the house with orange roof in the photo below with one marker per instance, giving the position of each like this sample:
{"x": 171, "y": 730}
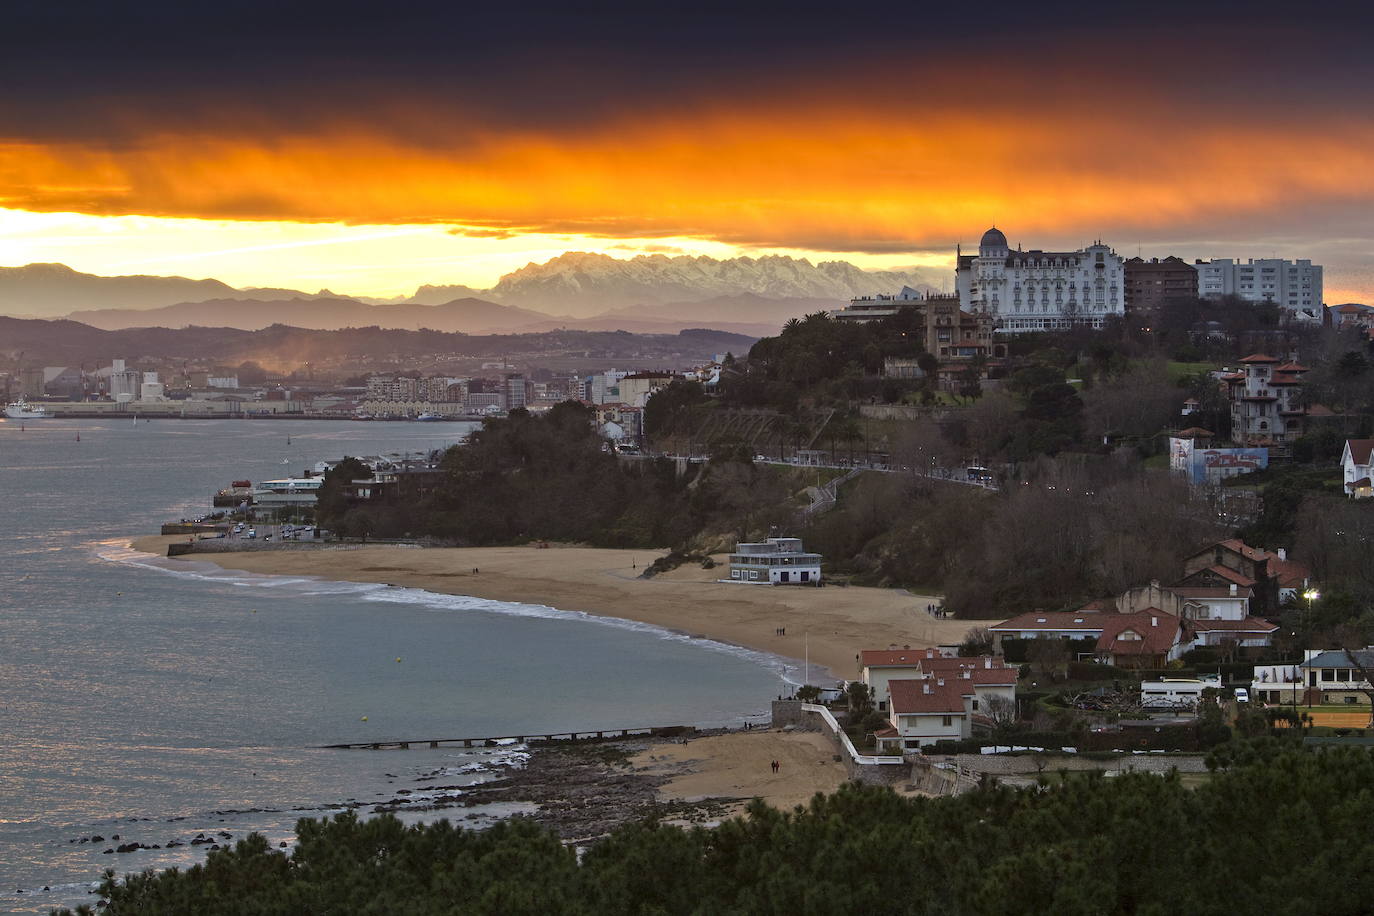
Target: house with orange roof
{"x": 989, "y": 676}
{"x": 922, "y": 711}
{"x": 1148, "y": 638}
{"x": 1357, "y": 468}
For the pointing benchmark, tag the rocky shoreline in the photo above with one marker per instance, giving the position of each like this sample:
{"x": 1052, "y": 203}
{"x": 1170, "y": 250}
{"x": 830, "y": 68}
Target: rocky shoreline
{"x": 581, "y": 791}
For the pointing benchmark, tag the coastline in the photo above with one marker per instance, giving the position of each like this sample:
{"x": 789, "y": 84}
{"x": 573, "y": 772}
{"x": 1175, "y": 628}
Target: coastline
{"x": 832, "y": 625}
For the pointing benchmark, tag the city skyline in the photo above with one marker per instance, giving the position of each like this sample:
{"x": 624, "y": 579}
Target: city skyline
{"x": 323, "y": 147}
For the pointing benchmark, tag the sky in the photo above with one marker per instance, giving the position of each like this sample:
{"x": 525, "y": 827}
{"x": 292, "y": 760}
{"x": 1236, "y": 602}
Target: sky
{"x": 372, "y": 148}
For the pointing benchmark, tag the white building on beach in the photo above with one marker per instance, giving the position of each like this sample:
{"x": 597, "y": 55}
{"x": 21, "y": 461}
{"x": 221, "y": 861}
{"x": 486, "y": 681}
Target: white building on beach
{"x": 776, "y": 561}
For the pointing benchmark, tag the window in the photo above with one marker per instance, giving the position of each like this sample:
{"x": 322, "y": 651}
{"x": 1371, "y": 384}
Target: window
{"x": 975, "y": 705}
{"x": 946, "y": 721}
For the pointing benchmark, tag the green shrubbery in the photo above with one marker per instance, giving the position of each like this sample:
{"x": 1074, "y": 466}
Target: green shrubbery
{"x": 1136, "y": 843}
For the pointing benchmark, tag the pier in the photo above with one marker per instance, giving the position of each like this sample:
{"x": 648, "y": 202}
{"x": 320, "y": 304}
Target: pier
{"x": 605, "y": 734}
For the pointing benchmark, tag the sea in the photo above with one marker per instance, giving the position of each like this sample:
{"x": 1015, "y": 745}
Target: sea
{"x": 172, "y": 704}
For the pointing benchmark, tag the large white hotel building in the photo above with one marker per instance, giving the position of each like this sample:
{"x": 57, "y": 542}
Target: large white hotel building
{"x": 1294, "y": 285}
{"x": 1041, "y": 290}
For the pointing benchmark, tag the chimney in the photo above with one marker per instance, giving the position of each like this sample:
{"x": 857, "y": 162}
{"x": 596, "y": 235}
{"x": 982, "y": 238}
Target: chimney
{"x": 1283, "y": 553}
{"x": 930, "y": 653}
{"x": 1154, "y": 621}
{"x": 987, "y": 661}
{"x": 925, "y": 685}
{"x": 940, "y": 682}
{"x": 966, "y": 674}
{"x": 1233, "y": 589}
{"x": 1154, "y": 583}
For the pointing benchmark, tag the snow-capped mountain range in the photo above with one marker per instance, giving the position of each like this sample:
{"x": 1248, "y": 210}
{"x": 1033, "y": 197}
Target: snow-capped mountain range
{"x": 574, "y": 289}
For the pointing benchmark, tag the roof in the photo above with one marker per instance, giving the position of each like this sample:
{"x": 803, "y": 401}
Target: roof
{"x": 1290, "y": 573}
{"x": 1210, "y": 591}
{"x": 993, "y": 238}
{"x": 1359, "y": 449}
{"x": 893, "y": 658}
{"x": 1291, "y": 366}
{"x": 1158, "y": 632}
{"x": 1193, "y": 432}
{"x": 943, "y": 697}
{"x": 1087, "y": 621}
{"x": 1336, "y": 658}
{"x": 1230, "y": 575}
{"x": 1320, "y": 410}
{"x": 1245, "y": 625}
{"x": 1259, "y": 358}
{"x": 1244, "y": 549}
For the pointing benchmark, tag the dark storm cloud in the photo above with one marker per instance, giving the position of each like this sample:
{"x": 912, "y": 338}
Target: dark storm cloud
{"x": 114, "y": 71}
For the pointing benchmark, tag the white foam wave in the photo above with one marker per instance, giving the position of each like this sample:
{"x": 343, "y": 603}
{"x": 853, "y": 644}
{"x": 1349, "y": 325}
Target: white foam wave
{"x": 119, "y": 552}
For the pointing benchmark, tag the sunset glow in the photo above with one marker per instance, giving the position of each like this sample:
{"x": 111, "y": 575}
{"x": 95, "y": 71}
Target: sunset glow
{"x": 889, "y": 164}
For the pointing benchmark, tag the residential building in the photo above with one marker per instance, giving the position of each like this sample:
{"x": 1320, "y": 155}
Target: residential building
{"x": 1277, "y": 684}
{"x": 1152, "y": 284}
{"x": 1331, "y": 677}
{"x": 636, "y": 388}
{"x": 1357, "y": 468}
{"x": 776, "y": 561}
{"x": 514, "y": 390}
{"x": 1294, "y": 285}
{"x": 878, "y": 667}
{"x": 926, "y": 711}
{"x": 1272, "y": 577}
{"x": 391, "y": 388}
{"x": 1266, "y": 402}
{"x": 1040, "y": 290}
{"x": 1351, "y": 314}
{"x": 288, "y": 492}
{"x": 1148, "y": 638}
{"x": 864, "y": 309}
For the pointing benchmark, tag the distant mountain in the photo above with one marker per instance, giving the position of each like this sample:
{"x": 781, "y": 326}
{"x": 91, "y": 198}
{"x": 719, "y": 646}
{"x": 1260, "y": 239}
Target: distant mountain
{"x": 45, "y": 290}
{"x": 648, "y": 293}
{"x": 468, "y": 316}
{"x": 67, "y": 343}
{"x": 585, "y": 284}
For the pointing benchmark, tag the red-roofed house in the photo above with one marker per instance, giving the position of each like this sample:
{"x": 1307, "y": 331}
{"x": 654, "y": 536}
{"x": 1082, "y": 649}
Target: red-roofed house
{"x": 1148, "y": 638}
{"x": 1273, "y": 577}
{"x": 1357, "y": 468}
{"x": 926, "y": 711}
{"x": 989, "y": 676}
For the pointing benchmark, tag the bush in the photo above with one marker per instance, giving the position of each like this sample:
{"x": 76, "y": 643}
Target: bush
{"x": 1093, "y": 671}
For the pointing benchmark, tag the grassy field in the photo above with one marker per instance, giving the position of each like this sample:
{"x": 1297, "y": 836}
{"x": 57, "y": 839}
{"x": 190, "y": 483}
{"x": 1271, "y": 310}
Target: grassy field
{"x": 1178, "y": 370}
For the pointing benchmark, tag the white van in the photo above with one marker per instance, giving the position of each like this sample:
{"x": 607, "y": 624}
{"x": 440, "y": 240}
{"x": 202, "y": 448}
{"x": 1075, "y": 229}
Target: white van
{"x": 1242, "y": 695}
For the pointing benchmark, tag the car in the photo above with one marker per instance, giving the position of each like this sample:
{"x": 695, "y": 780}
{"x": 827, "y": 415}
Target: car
{"x": 252, "y": 534}
{"x": 1242, "y": 695}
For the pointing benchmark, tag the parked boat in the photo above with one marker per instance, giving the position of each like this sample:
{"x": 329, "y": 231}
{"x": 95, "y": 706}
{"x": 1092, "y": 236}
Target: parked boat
{"x": 428, "y": 417}
{"x": 23, "y": 410}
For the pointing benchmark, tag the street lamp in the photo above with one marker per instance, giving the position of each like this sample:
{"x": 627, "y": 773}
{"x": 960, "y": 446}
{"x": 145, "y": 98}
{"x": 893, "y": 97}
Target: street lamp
{"x": 1311, "y": 595}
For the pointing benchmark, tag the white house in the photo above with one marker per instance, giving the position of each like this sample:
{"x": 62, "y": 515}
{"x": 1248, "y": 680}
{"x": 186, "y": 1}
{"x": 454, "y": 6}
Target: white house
{"x": 776, "y": 561}
{"x": 1330, "y": 677}
{"x": 926, "y": 711}
{"x": 1276, "y": 684}
{"x": 1357, "y": 467}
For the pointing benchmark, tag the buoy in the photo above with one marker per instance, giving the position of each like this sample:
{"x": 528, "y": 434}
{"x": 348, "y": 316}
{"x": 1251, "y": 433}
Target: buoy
{"x": 398, "y": 659}
{"x": 364, "y": 718}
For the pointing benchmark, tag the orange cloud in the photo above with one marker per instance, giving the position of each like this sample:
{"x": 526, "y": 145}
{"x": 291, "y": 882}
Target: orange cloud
{"x": 822, "y": 174}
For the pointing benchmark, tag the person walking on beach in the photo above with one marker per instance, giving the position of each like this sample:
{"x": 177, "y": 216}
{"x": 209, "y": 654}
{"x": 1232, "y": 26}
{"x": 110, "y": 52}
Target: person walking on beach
{"x": 775, "y": 766}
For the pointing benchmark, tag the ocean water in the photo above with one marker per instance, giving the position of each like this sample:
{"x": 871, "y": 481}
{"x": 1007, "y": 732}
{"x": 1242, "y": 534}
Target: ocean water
{"x": 161, "y": 701}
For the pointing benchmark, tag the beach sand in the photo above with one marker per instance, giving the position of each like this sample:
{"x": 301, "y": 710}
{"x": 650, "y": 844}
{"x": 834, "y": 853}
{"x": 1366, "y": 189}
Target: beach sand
{"x": 836, "y": 623}
{"x": 737, "y": 765}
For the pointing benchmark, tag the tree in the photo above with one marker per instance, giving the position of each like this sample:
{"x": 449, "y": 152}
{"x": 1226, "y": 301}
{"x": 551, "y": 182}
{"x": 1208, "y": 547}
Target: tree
{"x": 332, "y": 501}
{"x": 1048, "y": 656}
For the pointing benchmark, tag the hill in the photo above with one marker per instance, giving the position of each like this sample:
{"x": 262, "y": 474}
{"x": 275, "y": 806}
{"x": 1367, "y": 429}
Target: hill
{"x": 65, "y": 342}
{"x": 52, "y": 290}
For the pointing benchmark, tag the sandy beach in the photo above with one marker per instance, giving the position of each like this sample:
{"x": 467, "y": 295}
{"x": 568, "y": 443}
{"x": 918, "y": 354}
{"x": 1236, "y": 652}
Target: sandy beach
{"x": 737, "y": 765}
{"x": 836, "y": 623}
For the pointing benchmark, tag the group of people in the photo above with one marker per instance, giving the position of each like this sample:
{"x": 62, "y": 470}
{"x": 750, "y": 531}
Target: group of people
{"x": 776, "y": 766}
{"x": 780, "y": 631}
